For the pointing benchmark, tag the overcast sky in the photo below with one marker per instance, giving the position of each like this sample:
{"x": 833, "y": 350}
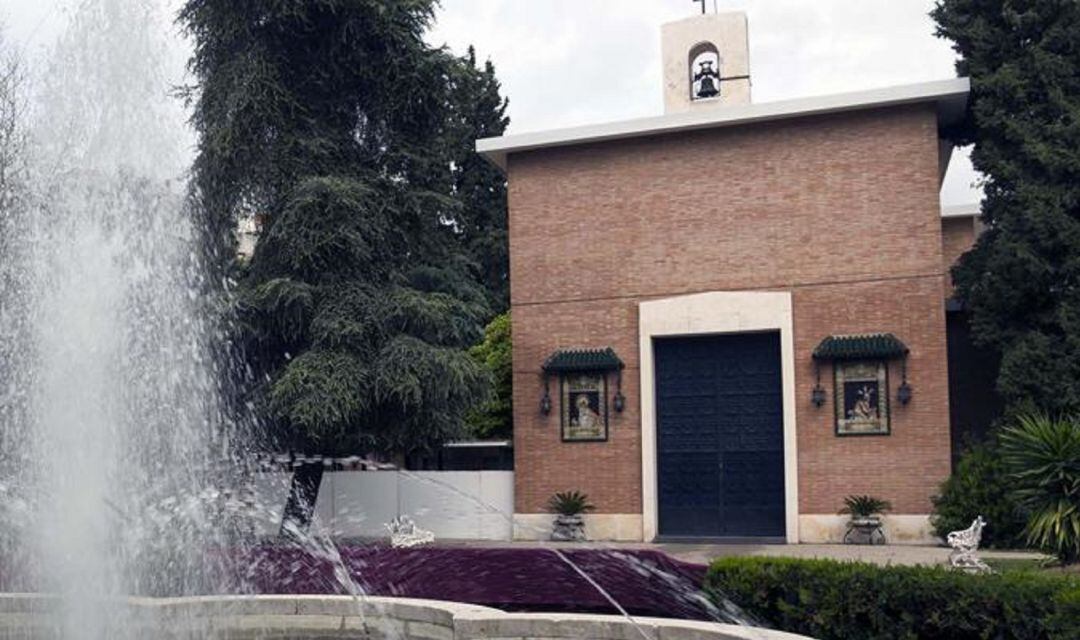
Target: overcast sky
{"x": 570, "y": 62}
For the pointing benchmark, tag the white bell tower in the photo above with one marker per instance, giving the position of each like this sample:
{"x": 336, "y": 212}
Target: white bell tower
{"x": 706, "y": 62}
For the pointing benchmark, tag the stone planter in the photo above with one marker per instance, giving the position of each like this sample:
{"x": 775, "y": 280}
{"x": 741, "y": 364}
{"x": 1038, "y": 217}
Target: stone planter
{"x": 568, "y": 529}
{"x": 865, "y": 530}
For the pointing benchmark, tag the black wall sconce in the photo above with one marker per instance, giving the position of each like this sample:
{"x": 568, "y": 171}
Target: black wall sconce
{"x": 817, "y": 396}
{"x": 904, "y": 393}
{"x": 620, "y": 400}
{"x": 545, "y": 402}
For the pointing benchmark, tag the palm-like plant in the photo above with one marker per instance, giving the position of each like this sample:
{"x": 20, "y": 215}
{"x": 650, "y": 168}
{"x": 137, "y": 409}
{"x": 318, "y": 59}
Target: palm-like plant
{"x": 1042, "y": 455}
{"x": 865, "y": 506}
{"x": 570, "y": 503}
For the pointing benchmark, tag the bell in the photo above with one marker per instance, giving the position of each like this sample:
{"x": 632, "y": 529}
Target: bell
{"x": 708, "y": 88}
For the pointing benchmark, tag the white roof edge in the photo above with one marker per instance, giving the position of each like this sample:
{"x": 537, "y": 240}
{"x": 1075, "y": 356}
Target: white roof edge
{"x": 950, "y": 95}
{"x": 970, "y": 210}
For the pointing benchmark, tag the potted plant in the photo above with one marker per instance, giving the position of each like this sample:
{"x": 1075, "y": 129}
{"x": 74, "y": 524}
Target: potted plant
{"x": 865, "y": 521}
{"x": 569, "y": 508}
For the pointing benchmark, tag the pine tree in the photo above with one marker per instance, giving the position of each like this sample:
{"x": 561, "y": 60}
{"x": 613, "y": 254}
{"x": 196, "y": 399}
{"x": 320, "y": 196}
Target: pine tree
{"x": 480, "y": 112}
{"x": 1020, "y": 282}
{"x": 335, "y": 125}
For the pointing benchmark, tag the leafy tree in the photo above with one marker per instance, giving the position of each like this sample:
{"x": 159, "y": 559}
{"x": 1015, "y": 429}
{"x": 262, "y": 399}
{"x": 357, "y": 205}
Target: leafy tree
{"x": 495, "y": 418}
{"x": 342, "y": 131}
{"x": 1020, "y": 282}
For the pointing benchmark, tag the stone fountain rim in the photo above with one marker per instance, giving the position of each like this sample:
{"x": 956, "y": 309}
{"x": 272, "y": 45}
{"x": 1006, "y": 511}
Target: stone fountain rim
{"x": 306, "y": 613}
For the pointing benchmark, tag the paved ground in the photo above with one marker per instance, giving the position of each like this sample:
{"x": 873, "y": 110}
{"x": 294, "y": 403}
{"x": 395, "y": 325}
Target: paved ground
{"x": 703, "y": 553}
{"x": 888, "y": 554}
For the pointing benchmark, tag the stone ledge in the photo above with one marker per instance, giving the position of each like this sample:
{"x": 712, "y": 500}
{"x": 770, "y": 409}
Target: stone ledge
{"x": 299, "y": 617}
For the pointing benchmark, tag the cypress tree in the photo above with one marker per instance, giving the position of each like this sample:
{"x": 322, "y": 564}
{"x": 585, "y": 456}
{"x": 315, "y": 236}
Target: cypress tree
{"x": 1020, "y": 282}
{"x": 342, "y": 132}
{"x": 481, "y": 225}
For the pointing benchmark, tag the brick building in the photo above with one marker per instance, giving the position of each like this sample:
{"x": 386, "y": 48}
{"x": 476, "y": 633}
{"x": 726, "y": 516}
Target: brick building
{"x": 729, "y": 317}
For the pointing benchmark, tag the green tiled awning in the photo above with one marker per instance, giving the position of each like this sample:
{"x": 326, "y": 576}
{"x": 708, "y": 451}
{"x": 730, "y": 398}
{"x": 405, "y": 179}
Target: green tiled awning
{"x": 583, "y": 360}
{"x": 862, "y": 346}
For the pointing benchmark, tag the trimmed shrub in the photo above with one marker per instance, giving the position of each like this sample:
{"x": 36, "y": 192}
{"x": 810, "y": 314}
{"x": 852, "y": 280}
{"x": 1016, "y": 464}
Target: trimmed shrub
{"x": 1064, "y": 622}
{"x": 832, "y": 600}
{"x": 980, "y": 486}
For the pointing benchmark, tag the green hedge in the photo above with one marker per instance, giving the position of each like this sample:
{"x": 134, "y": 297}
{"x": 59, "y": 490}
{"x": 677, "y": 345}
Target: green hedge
{"x": 829, "y": 600}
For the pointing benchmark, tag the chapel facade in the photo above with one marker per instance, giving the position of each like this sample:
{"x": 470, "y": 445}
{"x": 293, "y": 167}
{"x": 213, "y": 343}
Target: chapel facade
{"x": 728, "y": 318}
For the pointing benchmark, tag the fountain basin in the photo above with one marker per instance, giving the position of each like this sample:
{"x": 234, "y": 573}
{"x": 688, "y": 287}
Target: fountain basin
{"x": 32, "y": 616}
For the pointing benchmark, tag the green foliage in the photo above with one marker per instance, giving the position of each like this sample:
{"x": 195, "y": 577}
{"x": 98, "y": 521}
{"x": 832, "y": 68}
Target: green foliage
{"x": 1063, "y": 622}
{"x": 865, "y": 506}
{"x": 495, "y": 418}
{"x": 1019, "y": 282}
{"x": 330, "y": 228}
{"x": 1043, "y": 457}
{"x": 570, "y": 503}
{"x": 321, "y": 392}
{"x": 352, "y": 140}
{"x": 980, "y": 485}
{"x": 481, "y": 223}
{"x": 840, "y": 601}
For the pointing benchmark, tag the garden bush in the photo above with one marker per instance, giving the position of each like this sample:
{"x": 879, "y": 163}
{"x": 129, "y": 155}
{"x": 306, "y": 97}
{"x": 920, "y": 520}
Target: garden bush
{"x": 1064, "y": 622}
{"x": 832, "y": 600}
{"x": 980, "y": 486}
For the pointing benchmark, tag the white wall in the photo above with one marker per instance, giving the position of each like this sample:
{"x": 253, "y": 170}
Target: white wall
{"x": 455, "y": 505}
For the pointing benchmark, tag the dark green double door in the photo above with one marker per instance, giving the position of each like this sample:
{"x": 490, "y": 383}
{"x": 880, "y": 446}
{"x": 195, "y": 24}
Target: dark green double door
{"x": 720, "y": 437}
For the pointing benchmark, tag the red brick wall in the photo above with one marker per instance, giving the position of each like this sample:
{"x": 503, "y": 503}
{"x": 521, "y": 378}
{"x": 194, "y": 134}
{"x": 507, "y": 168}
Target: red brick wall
{"x": 842, "y": 210}
{"x": 907, "y": 466}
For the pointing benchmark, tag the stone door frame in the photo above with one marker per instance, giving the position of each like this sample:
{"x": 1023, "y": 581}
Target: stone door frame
{"x": 710, "y": 314}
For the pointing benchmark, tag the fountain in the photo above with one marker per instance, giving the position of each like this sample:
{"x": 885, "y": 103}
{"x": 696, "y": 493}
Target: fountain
{"x": 118, "y": 461}
{"x": 112, "y": 429}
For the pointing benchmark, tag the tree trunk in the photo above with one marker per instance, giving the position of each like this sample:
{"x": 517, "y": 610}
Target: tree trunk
{"x": 300, "y": 507}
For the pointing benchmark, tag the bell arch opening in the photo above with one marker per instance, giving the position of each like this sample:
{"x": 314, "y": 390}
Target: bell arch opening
{"x": 704, "y": 67}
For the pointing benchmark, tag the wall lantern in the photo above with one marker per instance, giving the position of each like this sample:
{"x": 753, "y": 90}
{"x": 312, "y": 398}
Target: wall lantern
{"x": 817, "y": 396}
{"x": 861, "y": 381}
{"x": 583, "y": 391}
{"x": 545, "y": 402}
{"x": 904, "y": 393}
{"x": 620, "y": 399}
